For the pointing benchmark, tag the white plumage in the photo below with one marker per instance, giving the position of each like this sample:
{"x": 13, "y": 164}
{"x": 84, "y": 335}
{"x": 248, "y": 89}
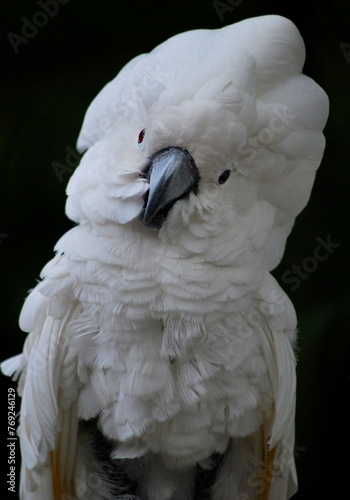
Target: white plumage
{"x": 176, "y": 336}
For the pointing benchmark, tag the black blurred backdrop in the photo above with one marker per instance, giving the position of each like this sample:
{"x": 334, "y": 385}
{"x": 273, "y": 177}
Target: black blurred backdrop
{"x": 50, "y": 75}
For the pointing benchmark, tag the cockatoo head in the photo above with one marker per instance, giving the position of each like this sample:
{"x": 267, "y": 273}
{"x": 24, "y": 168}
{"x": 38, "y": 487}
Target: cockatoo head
{"x": 212, "y": 133}
{"x": 191, "y": 143}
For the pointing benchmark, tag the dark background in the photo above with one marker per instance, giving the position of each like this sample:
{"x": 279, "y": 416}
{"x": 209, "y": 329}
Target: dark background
{"x": 47, "y": 86}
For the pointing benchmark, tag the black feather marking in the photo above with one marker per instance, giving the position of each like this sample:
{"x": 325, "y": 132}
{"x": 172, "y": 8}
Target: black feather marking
{"x": 205, "y": 478}
{"x": 122, "y": 487}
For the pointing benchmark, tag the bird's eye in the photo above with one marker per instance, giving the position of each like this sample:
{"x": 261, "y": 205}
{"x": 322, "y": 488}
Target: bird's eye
{"x": 141, "y": 136}
{"x": 225, "y": 175}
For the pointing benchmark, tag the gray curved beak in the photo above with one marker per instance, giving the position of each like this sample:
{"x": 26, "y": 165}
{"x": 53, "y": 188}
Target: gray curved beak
{"x": 172, "y": 174}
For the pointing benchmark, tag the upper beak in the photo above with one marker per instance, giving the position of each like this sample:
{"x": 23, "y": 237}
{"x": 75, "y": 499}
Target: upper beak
{"x": 172, "y": 174}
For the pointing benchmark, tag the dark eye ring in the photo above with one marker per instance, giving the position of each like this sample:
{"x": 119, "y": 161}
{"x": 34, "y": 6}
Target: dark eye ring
{"x": 141, "y": 136}
{"x": 225, "y": 175}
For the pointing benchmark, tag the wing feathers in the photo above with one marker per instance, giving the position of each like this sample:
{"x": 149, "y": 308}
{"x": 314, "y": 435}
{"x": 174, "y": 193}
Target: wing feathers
{"x": 48, "y": 419}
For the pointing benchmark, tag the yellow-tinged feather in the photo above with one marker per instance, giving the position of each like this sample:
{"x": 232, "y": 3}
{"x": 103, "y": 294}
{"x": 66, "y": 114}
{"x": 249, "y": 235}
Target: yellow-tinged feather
{"x": 56, "y": 477}
{"x": 268, "y": 473}
{"x": 63, "y": 457}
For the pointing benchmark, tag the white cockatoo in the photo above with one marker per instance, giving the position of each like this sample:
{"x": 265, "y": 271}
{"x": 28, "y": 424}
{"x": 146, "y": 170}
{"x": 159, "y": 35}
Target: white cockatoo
{"x": 160, "y": 348}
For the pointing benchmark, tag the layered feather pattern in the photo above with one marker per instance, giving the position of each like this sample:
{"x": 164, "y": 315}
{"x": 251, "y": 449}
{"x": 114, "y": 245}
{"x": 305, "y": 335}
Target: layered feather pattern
{"x": 178, "y": 341}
